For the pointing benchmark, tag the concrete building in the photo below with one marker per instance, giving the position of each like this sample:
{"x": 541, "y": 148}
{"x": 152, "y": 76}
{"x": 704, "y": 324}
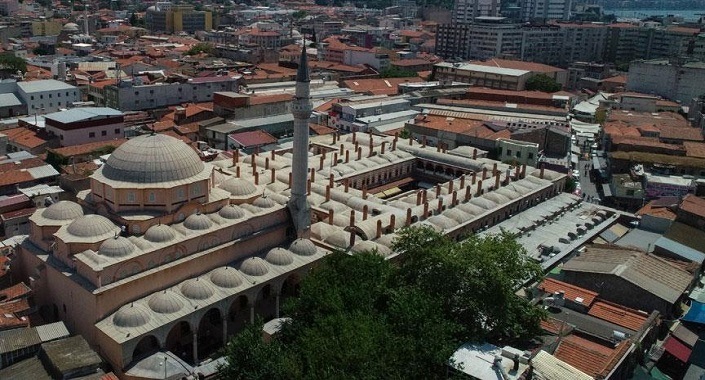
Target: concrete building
{"x": 515, "y": 151}
{"x": 481, "y": 76}
{"x": 675, "y": 81}
{"x": 47, "y": 95}
{"x": 131, "y": 96}
{"x": 466, "y": 11}
{"x": 348, "y": 113}
{"x": 170, "y": 18}
{"x": 85, "y": 125}
{"x": 545, "y": 10}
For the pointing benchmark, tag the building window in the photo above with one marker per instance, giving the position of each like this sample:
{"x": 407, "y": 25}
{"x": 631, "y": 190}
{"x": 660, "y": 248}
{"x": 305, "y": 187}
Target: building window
{"x": 509, "y": 152}
{"x": 117, "y": 131}
{"x": 91, "y": 134}
{"x": 196, "y": 189}
{"x": 41, "y": 96}
{"x": 152, "y": 197}
{"x": 180, "y": 193}
{"x": 519, "y": 154}
{"x": 103, "y": 133}
{"x": 130, "y": 197}
{"x": 32, "y": 97}
{"x": 49, "y": 96}
{"x": 531, "y": 156}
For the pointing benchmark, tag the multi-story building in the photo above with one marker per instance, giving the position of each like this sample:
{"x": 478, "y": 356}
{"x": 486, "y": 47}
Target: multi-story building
{"x": 488, "y": 37}
{"x": 466, "y": 11}
{"x": 170, "y": 18}
{"x": 543, "y": 44}
{"x": 85, "y": 125}
{"x": 48, "y": 95}
{"x": 583, "y": 42}
{"x": 129, "y": 96}
{"x": 678, "y": 81}
{"x": 481, "y": 76}
{"x": 9, "y": 7}
{"x": 544, "y": 10}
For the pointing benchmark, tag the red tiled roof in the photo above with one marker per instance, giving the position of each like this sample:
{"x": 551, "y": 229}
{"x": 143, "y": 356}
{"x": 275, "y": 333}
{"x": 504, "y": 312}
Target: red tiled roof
{"x": 320, "y": 129}
{"x": 78, "y": 150}
{"x": 253, "y": 138}
{"x": 619, "y": 315}
{"x": 694, "y": 149}
{"x": 555, "y": 327}
{"x": 389, "y": 86}
{"x": 681, "y": 133}
{"x": 266, "y": 99}
{"x": 585, "y": 355}
{"x": 655, "y": 210}
{"x": 24, "y": 136}
{"x": 619, "y": 79}
{"x": 694, "y": 205}
{"x": 18, "y": 213}
{"x": 518, "y": 65}
{"x": 679, "y": 350}
{"x": 572, "y": 292}
{"x": 15, "y": 177}
{"x": 14, "y": 292}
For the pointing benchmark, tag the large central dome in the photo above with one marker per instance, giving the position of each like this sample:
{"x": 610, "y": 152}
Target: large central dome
{"x": 152, "y": 159}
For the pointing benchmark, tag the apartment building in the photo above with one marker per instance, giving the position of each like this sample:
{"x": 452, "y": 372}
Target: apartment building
{"x": 467, "y": 11}
{"x": 673, "y": 80}
{"x": 170, "y": 18}
{"x": 48, "y": 95}
{"x": 544, "y": 10}
{"x": 488, "y": 37}
{"x": 85, "y": 125}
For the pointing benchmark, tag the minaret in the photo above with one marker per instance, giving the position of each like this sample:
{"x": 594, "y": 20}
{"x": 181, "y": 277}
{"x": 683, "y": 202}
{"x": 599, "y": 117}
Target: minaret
{"x": 301, "y": 108}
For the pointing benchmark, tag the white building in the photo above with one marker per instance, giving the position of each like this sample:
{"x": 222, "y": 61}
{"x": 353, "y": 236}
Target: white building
{"x": 677, "y": 82}
{"x": 378, "y": 61}
{"x": 523, "y": 152}
{"x": 85, "y": 125}
{"x": 465, "y": 11}
{"x": 355, "y": 116}
{"x": 42, "y": 96}
{"x": 546, "y": 10}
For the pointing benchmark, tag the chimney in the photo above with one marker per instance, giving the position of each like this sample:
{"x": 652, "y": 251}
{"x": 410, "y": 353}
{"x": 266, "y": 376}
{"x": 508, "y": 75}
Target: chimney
{"x": 394, "y": 144}
{"x": 330, "y": 180}
{"x": 474, "y": 153}
{"x": 425, "y": 210}
{"x": 327, "y": 193}
{"x": 342, "y": 148}
{"x": 425, "y": 196}
{"x": 320, "y": 166}
{"x": 440, "y": 205}
{"x": 335, "y": 158}
{"x": 418, "y": 198}
{"x": 392, "y": 221}
{"x": 408, "y": 217}
{"x": 330, "y": 216}
{"x": 354, "y": 138}
{"x": 254, "y": 164}
{"x": 467, "y": 193}
{"x": 364, "y": 191}
{"x": 364, "y": 212}
{"x": 523, "y": 171}
{"x": 494, "y": 168}
{"x": 509, "y": 176}
{"x": 266, "y": 163}
{"x": 274, "y": 175}
{"x": 352, "y": 218}
{"x": 352, "y": 238}
{"x": 423, "y": 142}
{"x": 484, "y": 173}
{"x": 236, "y": 156}
{"x": 516, "y": 173}
{"x": 379, "y": 228}
{"x": 455, "y": 199}
{"x": 474, "y": 177}
{"x": 411, "y": 141}
{"x": 496, "y": 181}
{"x": 450, "y": 186}
{"x": 541, "y": 173}
{"x": 438, "y": 147}
{"x": 357, "y": 145}
{"x": 479, "y": 188}
{"x": 313, "y": 175}
{"x": 237, "y": 172}
{"x": 359, "y": 154}
{"x": 346, "y": 181}
{"x": 462, "y": 181}
{"x": 383, "y": 145}
{"x": 347, "y": 156}
{"x": 290, "y": 174}
{"x": 274, "y": 155}
{"x": 438, "y": 190}
{"x": 335, "y": 138}
{"x": 256, "y": 178}
{"x": 308, "y": 187}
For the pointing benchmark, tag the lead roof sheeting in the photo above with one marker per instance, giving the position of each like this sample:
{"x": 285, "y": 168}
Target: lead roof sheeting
{"x": 52, "y": 331}
{"x": 17, "y": 339}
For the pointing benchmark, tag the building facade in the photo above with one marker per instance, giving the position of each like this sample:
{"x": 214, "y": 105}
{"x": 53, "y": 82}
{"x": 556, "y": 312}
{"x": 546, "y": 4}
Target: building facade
{"x": 85, "y": 125}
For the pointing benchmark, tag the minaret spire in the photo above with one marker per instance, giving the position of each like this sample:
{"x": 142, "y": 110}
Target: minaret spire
{"x": 301, "y": 109}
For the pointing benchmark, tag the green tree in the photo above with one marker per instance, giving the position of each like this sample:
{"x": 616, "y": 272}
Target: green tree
{"x": 201, "y": 47}
{"x": 476, "y": 281}
{"x": 8, "y": 61}
{"x": 542, "y": 82}
{"x": 298, "y": 15}
{"x": 395, "y": 72}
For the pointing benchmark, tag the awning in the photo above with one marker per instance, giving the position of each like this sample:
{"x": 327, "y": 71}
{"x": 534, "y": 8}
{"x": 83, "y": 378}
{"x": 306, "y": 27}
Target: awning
{"x": 606, "y": 191}
{"x": 677, "y": 349}
{"x": 696, "y": 313}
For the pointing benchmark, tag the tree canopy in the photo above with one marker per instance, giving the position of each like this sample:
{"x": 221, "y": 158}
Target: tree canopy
{"x": 9, "y": 61}
{"x": 201, "y": 47}
{"x": 542, "y": 82}
{"x": 363, "y": 317}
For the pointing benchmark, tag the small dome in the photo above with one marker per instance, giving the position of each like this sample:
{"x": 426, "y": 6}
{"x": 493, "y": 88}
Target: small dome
{"x": 131, "y": 316}
{"x": 238, "y": 187}
{"x": 70, "y": 27}
{"x": 232, "y": 212}
{"x": 160, "y": 233}
{"x": 196, "y": 289}
{"x": 303, "y": 247}
{"x": 279, "y": 256}
{"x": 116, "y": 247}
{"x": 165, "y": 302}
{"x": 254, "y": 266}
{"x": 370, "y": 246}
{"x": 152, "y": 159}
{"x": 226, "y": 277}
{"x": 92, "y": 225}
{"x": 63, "y": 210}
{"x": 264, "y": 202}
{"x": 198, "y": 222}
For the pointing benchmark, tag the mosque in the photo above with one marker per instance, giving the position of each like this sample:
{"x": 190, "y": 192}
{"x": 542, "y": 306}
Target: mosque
{"x": 165, "y": 252}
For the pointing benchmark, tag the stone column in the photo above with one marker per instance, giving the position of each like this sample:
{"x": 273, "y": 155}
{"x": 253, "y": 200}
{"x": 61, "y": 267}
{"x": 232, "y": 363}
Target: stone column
{"x": 195, "y": 346}
{"x": 225, "y": 329}
{"x": 276, "y": 306}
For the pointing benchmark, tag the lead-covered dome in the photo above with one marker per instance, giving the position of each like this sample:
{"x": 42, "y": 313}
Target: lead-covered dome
{"x": 131, "y": 316}
{"x": 152, "y": 159}
{"x": 238, "y": 187}
{"x": 198, "y": 222}
{"x": 91, "y": 225}
{"x": 63, "y": 210}
{"x": 116, "y": 247}
{"x": 254, "y": 266}
{"x": 232, "y": 212}
{"x": 303, "y": 247}
{"x": 226, "y": 277}
{"x": 279, "y": 256}
{"x": 196, "y": 289}
{"x": 166, "y": 302}
{"x": 161, "y": 233}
